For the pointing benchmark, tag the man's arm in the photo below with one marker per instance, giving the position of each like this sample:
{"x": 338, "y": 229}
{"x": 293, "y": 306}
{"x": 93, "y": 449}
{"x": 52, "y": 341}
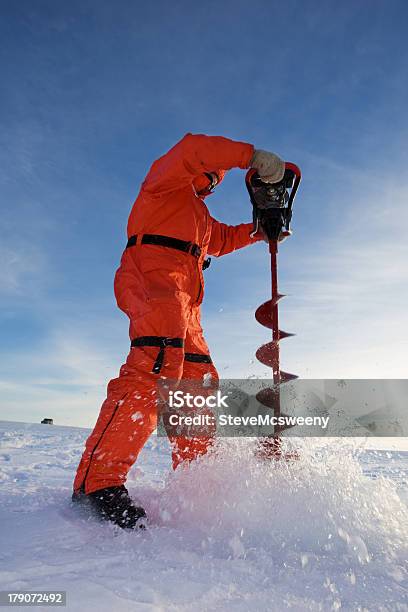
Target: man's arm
{"x": 227, "y": 238}
{"x": 193, "y": 155}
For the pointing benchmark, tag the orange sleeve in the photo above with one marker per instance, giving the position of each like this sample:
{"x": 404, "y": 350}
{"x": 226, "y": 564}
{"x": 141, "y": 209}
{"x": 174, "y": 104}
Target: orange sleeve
{"x": 193, "y": 155}
{"x": 227, "y": 238}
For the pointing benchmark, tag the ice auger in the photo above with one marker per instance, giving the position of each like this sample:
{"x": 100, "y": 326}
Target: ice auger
{"x": 272, "y": 212}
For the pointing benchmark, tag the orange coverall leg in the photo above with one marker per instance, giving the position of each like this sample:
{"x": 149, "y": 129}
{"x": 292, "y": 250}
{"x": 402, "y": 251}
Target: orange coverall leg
{"x": 129, "y": 414}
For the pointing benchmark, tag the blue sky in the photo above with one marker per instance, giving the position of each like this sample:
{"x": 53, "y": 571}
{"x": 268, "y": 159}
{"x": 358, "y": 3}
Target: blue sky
{"x": 93, "y": 92}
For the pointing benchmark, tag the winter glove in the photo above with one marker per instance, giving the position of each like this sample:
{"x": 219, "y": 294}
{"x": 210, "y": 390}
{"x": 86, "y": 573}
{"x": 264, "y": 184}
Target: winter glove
{"x": 269, "y": 166}
{"x": 282, "y": 236}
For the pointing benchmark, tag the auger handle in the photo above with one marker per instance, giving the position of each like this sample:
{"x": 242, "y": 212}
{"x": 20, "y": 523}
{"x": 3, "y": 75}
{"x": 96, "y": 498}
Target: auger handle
{"x": 298, "y": 177}
{"x": 295, "y": 169}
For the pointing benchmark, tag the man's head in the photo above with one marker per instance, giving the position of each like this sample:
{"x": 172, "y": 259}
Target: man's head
{"x": 205, "y": 183}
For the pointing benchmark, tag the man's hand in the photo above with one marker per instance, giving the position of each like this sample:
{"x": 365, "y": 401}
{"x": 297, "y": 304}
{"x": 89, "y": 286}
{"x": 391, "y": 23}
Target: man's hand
{"x": 269, "y": 166}
{"x": 282, "y": 236}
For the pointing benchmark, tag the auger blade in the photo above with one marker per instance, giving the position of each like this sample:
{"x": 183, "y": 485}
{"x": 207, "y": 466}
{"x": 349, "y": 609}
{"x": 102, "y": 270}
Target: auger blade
{"x": 263, "y": 313}
{"x": 268, "y": 397}
{"x": 266, "y": 353}
{"x": 284, "y": 334}
{"x": 280, "y": 428}
{"x": 287, "y": 376}
{"x": 271, "y": 449}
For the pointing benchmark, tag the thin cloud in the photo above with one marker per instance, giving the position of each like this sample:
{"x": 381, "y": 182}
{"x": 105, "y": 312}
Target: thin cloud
{"x": 20, "y": 268}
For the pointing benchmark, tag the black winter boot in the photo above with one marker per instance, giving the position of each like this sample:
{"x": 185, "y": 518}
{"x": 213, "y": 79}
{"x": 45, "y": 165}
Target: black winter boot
{"x": 113, "y": 504}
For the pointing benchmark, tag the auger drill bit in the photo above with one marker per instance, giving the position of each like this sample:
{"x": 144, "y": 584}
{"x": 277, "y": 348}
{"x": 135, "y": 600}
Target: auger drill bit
{"x": 272, "y": 212}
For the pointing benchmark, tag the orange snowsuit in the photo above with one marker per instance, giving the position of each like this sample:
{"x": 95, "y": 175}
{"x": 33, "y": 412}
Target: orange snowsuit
{"x": 160, "y": 287}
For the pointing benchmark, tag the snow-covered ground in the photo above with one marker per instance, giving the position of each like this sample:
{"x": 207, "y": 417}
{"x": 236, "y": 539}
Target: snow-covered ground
{"x": 327, "y": 532}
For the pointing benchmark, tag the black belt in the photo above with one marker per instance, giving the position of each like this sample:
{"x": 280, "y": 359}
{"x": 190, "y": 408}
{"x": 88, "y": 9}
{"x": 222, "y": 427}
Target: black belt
{"x": 163, "y": 342}
{"x": 172, "y": 243}
{"x": 167, "y": 241}
{"x": 197, "y": 358}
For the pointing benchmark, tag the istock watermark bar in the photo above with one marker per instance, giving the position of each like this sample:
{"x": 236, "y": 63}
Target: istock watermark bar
{"x": 233, "y": 407}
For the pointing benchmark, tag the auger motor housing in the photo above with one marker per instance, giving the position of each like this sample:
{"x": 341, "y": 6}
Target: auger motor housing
{"x": 272, "y": 202}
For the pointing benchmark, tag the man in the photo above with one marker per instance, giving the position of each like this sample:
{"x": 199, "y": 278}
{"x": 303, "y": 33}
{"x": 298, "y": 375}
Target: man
{"x": 159, "y": 285}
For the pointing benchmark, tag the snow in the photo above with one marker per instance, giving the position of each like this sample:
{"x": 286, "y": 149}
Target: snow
{"x": 326, "y": 532}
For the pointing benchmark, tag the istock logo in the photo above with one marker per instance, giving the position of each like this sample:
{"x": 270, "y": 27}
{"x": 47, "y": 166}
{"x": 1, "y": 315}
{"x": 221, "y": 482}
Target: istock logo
{"x": 179, "y": 399}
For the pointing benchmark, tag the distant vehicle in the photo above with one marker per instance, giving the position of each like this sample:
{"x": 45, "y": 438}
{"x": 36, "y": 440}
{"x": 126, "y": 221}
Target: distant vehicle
{"x": 47, "y": 421}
